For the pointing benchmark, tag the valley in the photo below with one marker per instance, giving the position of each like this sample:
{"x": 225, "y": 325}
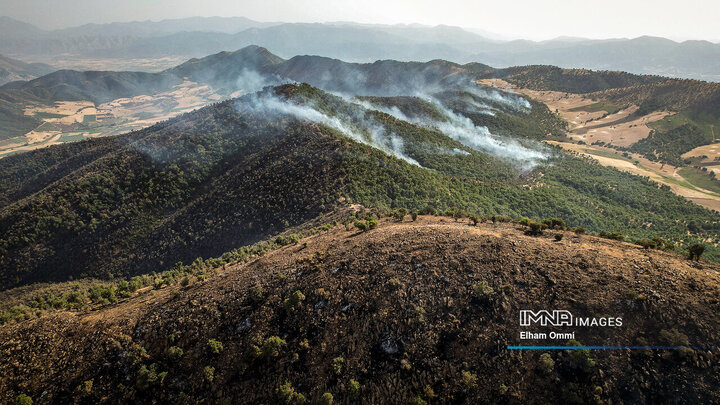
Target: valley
{"x": 596, "y": 124}
{"x": 71, "y": 121}
{"x": 243, "y": 227}
{"x": 80, "y": 62}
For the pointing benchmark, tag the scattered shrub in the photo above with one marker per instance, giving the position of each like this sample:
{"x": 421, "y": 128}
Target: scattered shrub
{"x": 86, "y": 387}
{"x": 287, "y": 394}
{"x": 214, "y": 346}
{"x": 428, "y": 210}
{"x": 695, "y": 251}
{"x": 209, "y": 373}
{"x": 102, "y": 294}
{"x": 326, "y": 399}
{"x": 558, "y": 237}
{"x": 294, "y": 301}
{"x": 337, "y": 364}
{"x": 175, "y": 353}
{"x": 469, "y": 380}
{"x": 353, "y": 389}
{"x": 535, "y": 228}
{"x": 185, "y": 281}
{"x": 256, "y": 294}
{"x": 673, "y": 337}
{"x": 291, "y": 239}
{"x": 612, "y": 235}
{"x": 272, "y": 346}
{"x": 554, "y": 223}
{"x": 395, "y": 283}
{"x": 148, "y": 376}
{"x": 500, "y": 218}
{"x": 365, "y": 226}
{"x": 579, "y": 358}
{"x": 418, "y": 400}
{"x": 23, "y": 399}
{"x": 474, "y": 218}
{"x": 654, "y": 243}
{"x": 547, "y": 364}
{"x": 482, "y": 290}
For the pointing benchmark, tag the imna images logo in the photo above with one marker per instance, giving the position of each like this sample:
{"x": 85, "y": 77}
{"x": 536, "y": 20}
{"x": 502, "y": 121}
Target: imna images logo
{"x": 545, "y": 318}
{"x": 562, "y": 317}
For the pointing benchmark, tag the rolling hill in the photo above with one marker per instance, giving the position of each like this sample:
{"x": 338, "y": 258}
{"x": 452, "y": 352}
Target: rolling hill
{"x": 409, "y": 312}
{"x": 335, "y": 232}
{"x": 239, "y": 171}
{"x": 13, "y": 70}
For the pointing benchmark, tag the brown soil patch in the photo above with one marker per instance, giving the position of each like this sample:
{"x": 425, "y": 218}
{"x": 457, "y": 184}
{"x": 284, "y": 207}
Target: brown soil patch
{"x": 398, "y": 305}
{"x": 621, "y": 128}
{"x": 661, "y": 173}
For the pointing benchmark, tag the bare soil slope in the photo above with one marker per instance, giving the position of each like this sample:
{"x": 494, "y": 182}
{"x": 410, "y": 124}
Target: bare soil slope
{"x": 402, "y": 311}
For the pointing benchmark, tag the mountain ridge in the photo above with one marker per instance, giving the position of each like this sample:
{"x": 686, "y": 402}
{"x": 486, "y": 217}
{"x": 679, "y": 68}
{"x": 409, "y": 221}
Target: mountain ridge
{"x": 216, "y": 178}
{"x": 422, "y": 309}
{"x": 15, "y": 70}
{"x": 363, "y": 43}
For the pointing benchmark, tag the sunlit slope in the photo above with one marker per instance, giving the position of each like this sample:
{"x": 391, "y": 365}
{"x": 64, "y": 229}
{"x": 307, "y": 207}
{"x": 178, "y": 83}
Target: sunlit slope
{"x": 239, "y": 171}
{"x": 406, "y": 311}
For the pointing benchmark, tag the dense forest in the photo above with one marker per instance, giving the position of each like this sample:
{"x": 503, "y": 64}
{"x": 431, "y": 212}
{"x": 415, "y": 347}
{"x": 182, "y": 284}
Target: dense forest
{"x": 228, "y": 175}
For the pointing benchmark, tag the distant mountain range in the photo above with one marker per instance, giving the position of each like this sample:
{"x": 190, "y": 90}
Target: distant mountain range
{"x": 12, "y": 70}
{"x": 253, "y": 67}
{"x": 199, "y": 36}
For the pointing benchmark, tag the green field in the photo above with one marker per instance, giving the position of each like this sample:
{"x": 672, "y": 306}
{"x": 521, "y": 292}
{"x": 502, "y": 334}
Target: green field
{"x": 72, "y": 137}
{"x": 706, "y": 124}
{"x": 47, "y": 126}
{"x": 701, "y": 179}
{"x": 46, "y": 115}
{"x": 610, "y": 154}
{"x": 89, "y": 119}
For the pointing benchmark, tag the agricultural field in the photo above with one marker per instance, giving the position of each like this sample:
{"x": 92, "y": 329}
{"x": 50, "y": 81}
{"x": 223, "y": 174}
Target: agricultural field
{"x": 70, "y": 121}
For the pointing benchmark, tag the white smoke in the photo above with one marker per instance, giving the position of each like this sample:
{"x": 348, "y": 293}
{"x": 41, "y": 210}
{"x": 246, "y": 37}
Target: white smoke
{"x": 250, "y": 81}
{"x": 463, "y": 130}
{"x": 453, "y": 151}
{"x": 516, "y": 103}
{"x": 480, "y": 108}
{"x": 368, "y": 133}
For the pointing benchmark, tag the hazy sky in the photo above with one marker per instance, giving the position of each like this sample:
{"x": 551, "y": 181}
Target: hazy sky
{"x": 533, "y": 19}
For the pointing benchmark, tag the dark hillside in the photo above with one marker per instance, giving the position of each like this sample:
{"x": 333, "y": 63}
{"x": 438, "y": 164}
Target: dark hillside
{"x": 410, "y": 311}
{"x": 239, "y": 171}
{"x": 98, "y": 87}
{"x": 541, "y": 77}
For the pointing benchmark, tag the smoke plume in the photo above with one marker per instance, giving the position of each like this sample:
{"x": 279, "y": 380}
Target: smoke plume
{"x": 358, "y": 128}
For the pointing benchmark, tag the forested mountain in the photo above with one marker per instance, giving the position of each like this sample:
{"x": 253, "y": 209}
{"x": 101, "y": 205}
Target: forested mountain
{"x": 239, "y": 171}
{"x": 249, "y": 69}
{"x": 312, "y": 230}
{"x": 97, "y": 87}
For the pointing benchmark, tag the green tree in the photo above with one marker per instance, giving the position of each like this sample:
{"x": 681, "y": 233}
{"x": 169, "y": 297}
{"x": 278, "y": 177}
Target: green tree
{"x": 23, "y": 399}
{"x": 695, "y": 251}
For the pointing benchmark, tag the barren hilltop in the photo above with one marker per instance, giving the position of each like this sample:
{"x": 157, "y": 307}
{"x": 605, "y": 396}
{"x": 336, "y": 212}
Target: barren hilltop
{"x": 418, "y": 310}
